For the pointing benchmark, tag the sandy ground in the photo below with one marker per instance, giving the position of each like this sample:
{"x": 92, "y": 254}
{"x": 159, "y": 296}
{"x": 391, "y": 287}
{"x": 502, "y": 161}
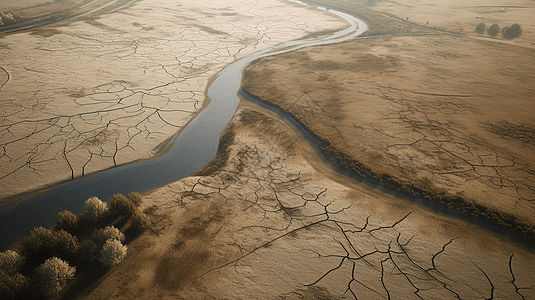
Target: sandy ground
{"x": 262, "y": 223}
{"x": 264, "y": 220}
{"x": 14, "y": 5}
{"x": 104, "y": 92}
{"x": 453, "y": 114}
{"x": 464, "y": 15}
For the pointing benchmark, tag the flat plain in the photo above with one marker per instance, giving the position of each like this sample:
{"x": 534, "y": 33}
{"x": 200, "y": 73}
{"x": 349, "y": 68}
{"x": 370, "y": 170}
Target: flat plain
{"x": 436, "y": 112}
{"x": 442, "y": 110}
{"x": 87, "y": 95}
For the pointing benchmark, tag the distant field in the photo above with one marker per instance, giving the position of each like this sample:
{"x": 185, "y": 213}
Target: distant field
{"x": 10, "y": 5}
{"x": 463, "y": 16}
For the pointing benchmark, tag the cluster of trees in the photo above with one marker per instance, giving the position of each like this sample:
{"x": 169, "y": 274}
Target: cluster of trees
{"x": 46, "y": 260}
{"x": 508, "y": 32}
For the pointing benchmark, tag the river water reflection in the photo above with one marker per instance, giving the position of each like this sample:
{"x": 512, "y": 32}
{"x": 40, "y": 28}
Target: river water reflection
{"x": 194, "y": 147}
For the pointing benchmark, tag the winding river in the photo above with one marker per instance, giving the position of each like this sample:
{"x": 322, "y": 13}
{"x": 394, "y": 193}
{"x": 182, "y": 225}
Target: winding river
{"x": 193, "y": 148}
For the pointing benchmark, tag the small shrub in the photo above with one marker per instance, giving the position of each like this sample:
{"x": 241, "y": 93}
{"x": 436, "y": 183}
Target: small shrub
{"x": 11, "y": 262}
{"x": 89, "y": 251}
{"x": 53, "y": 275}
{"x": 135, "y": 197}
{"x": 112, "y": 253}
{"x": 493, "y": 30}
{"x": 94, "y": 209}
{"x": 100, "y": 236}
{"x": 511, "y": 32}
{"x": 140, "y": 221}
{"x": 67, "y": 221}
{"x": 480, "y": 28}
{"x": 14, "y": 286}
{"x": 121, "y": 206}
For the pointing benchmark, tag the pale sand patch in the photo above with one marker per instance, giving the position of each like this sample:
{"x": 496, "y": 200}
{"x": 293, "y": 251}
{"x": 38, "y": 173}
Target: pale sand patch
{"x": 266, "y": 225}
{"x": 108, "y": 92}
{"x": 447, "y": 112}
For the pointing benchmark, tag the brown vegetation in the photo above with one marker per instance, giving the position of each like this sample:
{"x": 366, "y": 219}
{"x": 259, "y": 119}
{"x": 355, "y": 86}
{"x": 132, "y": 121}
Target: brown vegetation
{"x": 377, "y": 22}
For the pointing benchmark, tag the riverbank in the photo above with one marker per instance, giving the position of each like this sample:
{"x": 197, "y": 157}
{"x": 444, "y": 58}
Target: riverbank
{"x": 128, "y": 82}
{"x": 259, "y": 222}
{"x": 421, "y": 115}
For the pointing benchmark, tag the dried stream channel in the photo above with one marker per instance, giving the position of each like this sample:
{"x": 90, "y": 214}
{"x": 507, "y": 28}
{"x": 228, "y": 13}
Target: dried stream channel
{"x": 195, "y": 146}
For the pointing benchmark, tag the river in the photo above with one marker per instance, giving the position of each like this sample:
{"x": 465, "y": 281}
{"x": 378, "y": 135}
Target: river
{"x": 193, "y": 148}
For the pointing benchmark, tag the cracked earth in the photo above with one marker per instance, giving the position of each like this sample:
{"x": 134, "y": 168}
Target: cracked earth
{"x": 104, "y": 92}
{"x": 264, "y": 224}
{"x": 260, "y": 221}
{"x": 445, "y": 113}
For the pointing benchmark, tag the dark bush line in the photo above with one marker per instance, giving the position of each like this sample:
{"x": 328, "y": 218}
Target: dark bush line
{"x": 438, "y": 200}
{"x": 377, "y": 22}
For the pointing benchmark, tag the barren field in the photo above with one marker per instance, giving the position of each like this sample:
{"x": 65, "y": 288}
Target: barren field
{"x": 437, "y": 113}
{"x": 463, "y": 16}
{"x": 261, "y": 223}
{"x": 426, "y": 113}
{"x": 111, "y": 90}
